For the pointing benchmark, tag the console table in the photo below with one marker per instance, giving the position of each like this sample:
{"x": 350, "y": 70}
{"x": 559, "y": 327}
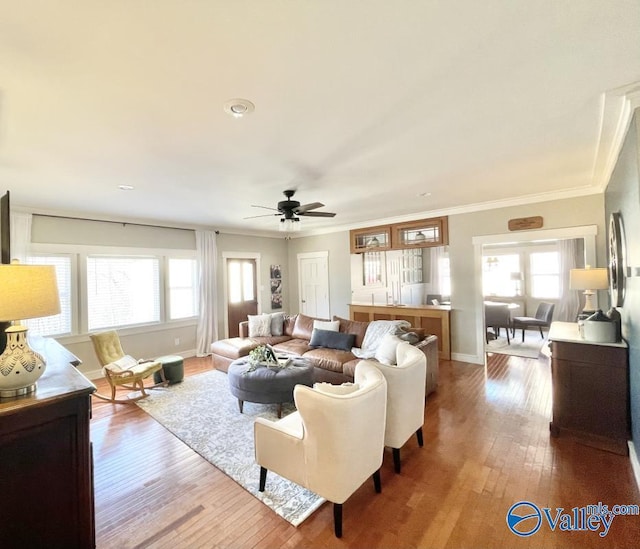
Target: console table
{"x": 435, "y": 319}
{"x": 46, "y": 472}
{"x": 590, "y": 389}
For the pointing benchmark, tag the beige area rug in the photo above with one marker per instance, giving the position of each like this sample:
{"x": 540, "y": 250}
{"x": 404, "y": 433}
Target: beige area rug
{"x": 203, "y": 414}
{"x": 532, "y": 346}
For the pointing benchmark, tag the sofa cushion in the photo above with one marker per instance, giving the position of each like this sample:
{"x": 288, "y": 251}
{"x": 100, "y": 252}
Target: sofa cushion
{"x": 234, "y": 347}
{"x": 331, "y": 340}
{"x": 303, "y": 327}
{"x": 293, "y": 346}
{"x": 353, "y": 327}
{"x": 277, "y": 323}
{"x": 271, "y": 340}
{"x": 289, "y": 324}
{"x": 329, "y": 359}
{"x": 259, "y": 325}
{"x": 349, "y": 368}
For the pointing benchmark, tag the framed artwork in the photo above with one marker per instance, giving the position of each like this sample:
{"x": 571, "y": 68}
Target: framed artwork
{"x": 276, "y": 287}
{"x": 617, "y": 259}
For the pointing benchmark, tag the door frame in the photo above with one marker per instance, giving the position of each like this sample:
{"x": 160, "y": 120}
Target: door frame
{"x": 313, "y": 255}
{"x": 588, "y": 232}
{"x": 239, "y": 255}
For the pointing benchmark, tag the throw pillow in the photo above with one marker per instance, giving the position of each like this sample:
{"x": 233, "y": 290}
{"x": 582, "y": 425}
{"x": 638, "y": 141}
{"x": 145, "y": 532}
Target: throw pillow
{"x": 333, "y": 325}
{"x": 331, "y": 340}
{"x": 330, "y": 389}
{"x": 277, "y": 323}
{"x": 386, "y": 351}
{"x": 259, "y": 325}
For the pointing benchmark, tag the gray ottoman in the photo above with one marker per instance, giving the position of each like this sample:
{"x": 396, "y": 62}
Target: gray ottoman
{"x": 173, "y": 367}
{"x": 266, "y": 385}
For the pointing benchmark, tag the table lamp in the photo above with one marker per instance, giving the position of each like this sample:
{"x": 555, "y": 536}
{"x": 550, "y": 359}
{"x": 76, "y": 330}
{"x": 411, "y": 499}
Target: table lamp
{"x": 26, "y": 291}
{"x": 588, "y": 279}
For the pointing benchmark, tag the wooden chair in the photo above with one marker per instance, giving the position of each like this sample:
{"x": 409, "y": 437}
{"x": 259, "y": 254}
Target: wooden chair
{"x": 122, "y": 370}
{"x": 544, "y": 315}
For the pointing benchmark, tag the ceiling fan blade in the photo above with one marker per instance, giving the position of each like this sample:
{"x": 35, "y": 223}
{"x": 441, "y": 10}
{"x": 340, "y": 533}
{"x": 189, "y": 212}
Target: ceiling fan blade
{"x": 265, "y": 207}
{"x": 316, "y": 214}
{"x": 262, "y": 215}
{"x": 307, "y": 207}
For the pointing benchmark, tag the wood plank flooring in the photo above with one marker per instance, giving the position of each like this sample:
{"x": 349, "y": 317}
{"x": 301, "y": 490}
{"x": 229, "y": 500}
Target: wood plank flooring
{"x": 487, "y": 446}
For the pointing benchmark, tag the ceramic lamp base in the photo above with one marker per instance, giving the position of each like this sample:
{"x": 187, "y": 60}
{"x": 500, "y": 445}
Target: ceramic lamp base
{"x": 20, "y": 367}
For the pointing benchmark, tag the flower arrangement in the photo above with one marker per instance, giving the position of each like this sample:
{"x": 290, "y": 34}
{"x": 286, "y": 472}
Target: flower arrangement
{"x": 262, "y": 355}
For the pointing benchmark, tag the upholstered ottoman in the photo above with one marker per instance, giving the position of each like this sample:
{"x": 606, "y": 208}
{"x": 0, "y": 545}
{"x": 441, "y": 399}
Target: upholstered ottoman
{"x": 267, "y": 385}
{"x": 173, "y": 367}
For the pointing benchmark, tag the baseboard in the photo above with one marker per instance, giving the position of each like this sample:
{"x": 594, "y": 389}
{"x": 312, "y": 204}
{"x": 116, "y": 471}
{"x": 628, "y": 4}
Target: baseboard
{"x": 635, "y": 465}
{"x": 473, "y": 359}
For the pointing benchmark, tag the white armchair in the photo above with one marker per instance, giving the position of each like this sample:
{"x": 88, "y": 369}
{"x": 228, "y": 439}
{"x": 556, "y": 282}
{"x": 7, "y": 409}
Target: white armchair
{"x": 405, "y": 398}
{"x": 332, "y": 444}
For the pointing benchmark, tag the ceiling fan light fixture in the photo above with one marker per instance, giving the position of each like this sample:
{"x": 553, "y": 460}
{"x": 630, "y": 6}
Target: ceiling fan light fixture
{"x": 239, "y": 107}
{"x": 290, "y": 225}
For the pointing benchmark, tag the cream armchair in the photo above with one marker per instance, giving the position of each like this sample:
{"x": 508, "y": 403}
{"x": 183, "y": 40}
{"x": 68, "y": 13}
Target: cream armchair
{"x": 332, "y": 444}
{"x": 405, "y": 398}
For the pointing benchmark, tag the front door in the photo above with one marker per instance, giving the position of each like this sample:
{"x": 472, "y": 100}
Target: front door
{"x": 242, "y": 294}
{"x": 314, "y": 285}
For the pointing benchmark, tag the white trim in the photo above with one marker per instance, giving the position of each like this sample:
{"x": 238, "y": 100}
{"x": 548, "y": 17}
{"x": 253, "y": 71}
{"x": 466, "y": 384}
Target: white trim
{"x": 471, "y": 359}
{"x": 538, "y": 234}
{"x": 635, "y": 465}
{"x": 616, "y": 112}
{"x": 239, "y": 255}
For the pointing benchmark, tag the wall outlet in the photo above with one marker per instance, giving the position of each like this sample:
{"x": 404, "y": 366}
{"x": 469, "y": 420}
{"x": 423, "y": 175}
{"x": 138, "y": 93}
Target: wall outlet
{"x": 176, "y": 341}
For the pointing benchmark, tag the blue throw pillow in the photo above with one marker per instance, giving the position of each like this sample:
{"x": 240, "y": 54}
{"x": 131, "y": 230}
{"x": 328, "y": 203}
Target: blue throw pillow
{"x": 332, "y": 340}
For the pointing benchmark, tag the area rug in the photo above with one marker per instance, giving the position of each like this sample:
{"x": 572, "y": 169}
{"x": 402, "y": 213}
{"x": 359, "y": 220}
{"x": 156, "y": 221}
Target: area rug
{"x": 530, "y": 348}
{"x": 202, "y": 413}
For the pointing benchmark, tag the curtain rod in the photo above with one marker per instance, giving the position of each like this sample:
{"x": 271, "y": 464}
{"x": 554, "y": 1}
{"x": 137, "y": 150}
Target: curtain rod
{"x": 123, "y": 223}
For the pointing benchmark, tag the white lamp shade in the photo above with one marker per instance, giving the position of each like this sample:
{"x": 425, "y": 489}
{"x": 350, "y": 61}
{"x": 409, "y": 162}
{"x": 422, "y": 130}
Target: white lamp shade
{"x": 28, "y": 291}
{"x": 588, "y": 279}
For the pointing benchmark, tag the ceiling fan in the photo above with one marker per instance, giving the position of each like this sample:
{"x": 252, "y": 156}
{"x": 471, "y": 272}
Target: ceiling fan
{"x": 290, "y": 209}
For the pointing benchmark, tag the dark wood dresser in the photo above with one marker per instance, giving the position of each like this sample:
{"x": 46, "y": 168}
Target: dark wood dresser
{"x": 590, "y": 389}
{"x": 46, "y": 469}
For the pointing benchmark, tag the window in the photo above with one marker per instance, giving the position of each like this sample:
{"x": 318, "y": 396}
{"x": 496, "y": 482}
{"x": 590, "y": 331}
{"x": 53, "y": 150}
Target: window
{"x": 241, "y": 280}
{"x": 496, "y": 275}
{"x": 545, "y": 275}
{"x": 183, "y": 299}
{"x": 372, "y": 268}
{"x": 122, "y": 291}
{"x": 59, "y": 324}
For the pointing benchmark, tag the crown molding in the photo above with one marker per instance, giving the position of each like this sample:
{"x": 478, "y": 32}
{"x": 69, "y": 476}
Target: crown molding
{"x": 616, "y": 111}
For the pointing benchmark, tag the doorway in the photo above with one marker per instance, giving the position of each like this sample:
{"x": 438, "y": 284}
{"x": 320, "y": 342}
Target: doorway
{"x": 313, "y": 284}
{"x": 242, "y": 292}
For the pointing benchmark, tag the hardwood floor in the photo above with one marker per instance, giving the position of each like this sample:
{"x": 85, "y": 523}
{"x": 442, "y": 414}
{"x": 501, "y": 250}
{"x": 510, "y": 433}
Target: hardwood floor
{"x": 486, "y": 447}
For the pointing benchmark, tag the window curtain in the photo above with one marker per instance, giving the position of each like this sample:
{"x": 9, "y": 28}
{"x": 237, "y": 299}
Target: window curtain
{"x": 571, "y": 257}
{"x": 20, "y": 227}
{"x": 206, "y": 257}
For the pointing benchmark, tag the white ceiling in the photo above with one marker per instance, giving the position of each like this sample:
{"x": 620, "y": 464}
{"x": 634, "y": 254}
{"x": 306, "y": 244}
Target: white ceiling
{"x": 362, "y": 105}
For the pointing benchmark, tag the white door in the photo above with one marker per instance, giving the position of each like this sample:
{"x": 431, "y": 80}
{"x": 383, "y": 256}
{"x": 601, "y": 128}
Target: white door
{"x": 313, "y": 284}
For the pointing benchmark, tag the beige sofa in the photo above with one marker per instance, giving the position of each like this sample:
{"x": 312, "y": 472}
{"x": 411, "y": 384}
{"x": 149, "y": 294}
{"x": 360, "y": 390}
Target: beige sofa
{"x": 332, "y": 365}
